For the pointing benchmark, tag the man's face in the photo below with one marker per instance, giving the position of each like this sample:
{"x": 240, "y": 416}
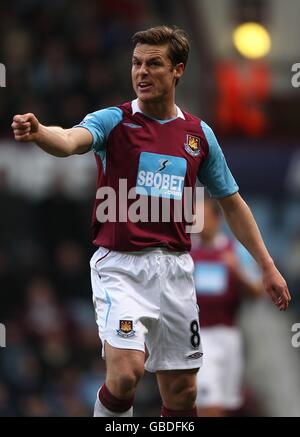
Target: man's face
{"x": 153, "y": 74}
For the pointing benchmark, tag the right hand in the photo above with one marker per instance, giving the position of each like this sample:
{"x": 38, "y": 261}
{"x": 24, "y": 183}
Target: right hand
{"x": 25, "y": 127}
{"x": 277, "y": 288}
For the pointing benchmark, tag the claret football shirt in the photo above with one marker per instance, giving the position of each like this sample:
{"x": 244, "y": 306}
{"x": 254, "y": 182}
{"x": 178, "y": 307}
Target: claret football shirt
{"x": 145, "y": 167}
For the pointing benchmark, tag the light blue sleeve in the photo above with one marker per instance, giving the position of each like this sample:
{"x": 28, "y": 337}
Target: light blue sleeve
{"x": 215, "y": 174}
{"x": 247, "y": 263}
{"x": 100, "y": 124}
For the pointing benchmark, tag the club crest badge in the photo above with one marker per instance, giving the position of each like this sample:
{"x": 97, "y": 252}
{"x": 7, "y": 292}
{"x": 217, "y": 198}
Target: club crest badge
{"x": 192, "y": 145}
{"x": 126, "y": 329}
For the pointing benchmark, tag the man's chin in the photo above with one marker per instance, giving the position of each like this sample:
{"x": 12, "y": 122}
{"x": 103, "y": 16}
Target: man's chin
{"x": 146, "y": 98}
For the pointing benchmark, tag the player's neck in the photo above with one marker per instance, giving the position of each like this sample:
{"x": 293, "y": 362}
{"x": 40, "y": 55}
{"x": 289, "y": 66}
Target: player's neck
{"x": 160, "y": 110}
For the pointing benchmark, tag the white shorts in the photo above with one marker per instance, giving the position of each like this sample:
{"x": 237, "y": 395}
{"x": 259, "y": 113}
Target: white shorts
{"x": 148, "y": 298}
{"x": 220, "y": 378}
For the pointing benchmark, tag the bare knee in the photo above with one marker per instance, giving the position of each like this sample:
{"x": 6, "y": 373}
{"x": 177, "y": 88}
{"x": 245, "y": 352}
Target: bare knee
{"x": 125, "y": 383}
{"x": 180, "y": 393}
{"x": 124, "y": 369}
{"x": 186, "y": 397}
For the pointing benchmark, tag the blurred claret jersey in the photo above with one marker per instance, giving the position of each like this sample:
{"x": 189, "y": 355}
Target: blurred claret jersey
{"x": 218, "y": 292}
{"x": 156, "y": 158}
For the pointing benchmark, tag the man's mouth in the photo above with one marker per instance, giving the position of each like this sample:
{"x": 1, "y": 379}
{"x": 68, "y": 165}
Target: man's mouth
{"x": 144, "y": 86}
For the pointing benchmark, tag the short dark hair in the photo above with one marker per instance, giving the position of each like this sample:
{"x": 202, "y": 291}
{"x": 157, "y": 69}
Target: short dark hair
{"x": 178, "y": 40}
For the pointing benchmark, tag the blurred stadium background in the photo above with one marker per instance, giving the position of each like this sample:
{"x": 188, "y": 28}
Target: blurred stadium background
{"x": 67, "y": 58}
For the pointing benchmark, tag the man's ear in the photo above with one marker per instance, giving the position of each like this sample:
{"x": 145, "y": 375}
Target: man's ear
{"x": 179, "y": 70}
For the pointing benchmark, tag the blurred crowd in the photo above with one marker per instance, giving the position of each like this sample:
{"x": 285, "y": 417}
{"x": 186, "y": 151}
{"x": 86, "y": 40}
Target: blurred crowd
{"x": 52, "y": 365}
{"x": 64, "y": 58}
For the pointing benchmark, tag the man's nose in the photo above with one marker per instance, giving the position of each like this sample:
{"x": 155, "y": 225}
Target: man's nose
{"x": 143, "y": 69}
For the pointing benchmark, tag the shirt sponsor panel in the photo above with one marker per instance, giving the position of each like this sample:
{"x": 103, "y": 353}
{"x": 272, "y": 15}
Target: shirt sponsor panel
{"x": 161, "y": 175}
{"x": 211, "y": 278}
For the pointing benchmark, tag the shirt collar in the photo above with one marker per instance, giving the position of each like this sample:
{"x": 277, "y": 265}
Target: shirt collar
{"x": 136, "y": 108}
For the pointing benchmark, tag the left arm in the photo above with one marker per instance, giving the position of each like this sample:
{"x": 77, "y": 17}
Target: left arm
{"x": 244, "y": 227}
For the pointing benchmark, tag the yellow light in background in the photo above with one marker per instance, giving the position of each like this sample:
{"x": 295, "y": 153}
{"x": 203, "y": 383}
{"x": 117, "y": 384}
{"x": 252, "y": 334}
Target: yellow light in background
{"x": 252, "y": 40}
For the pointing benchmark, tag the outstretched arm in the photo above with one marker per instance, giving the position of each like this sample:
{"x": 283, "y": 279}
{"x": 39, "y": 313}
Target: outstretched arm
{"x": 244, "y": 227}
{"x": 54, "y": 140}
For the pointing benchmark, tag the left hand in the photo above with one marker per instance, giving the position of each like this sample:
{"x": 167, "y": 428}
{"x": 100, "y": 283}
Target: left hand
{"x": 277, "y": 288}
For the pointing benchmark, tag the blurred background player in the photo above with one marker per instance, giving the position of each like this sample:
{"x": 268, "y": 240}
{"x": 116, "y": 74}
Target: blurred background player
{"x": 224, "y": 271}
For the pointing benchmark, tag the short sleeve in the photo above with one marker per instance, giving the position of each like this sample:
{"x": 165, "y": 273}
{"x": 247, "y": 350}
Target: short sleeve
{"x": 100, "y": 124}
{"x": 214, "y": 173}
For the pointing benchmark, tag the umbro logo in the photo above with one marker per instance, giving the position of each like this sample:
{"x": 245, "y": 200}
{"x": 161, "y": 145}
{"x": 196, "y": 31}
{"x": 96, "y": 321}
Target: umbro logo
{"x": 132, "y": 125}
{"x": 195, "y": 355}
